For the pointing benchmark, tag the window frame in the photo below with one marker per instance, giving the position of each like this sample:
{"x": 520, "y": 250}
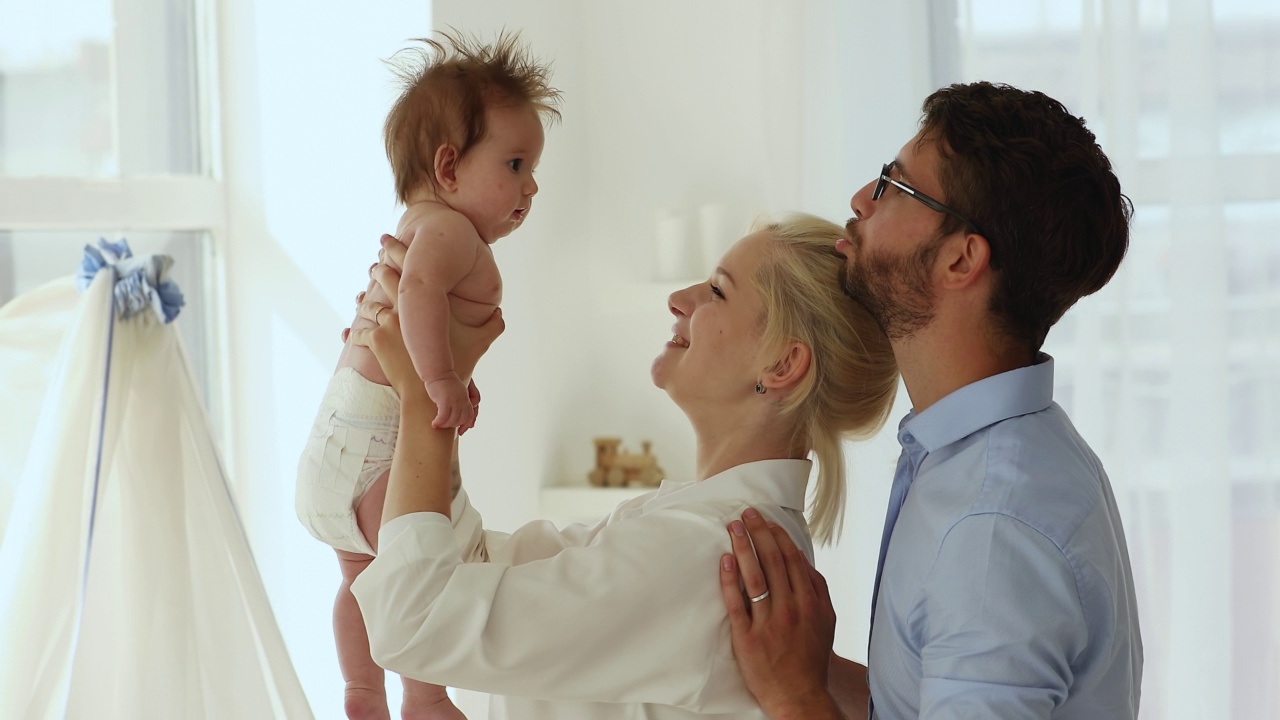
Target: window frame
{"x": 152, "y": 202}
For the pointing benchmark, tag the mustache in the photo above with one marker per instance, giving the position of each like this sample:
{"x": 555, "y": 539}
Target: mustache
{"x": 852, "y": 233}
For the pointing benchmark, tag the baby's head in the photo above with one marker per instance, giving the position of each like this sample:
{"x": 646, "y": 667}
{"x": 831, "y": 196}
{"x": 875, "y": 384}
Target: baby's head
{"x": 467, "y": 127}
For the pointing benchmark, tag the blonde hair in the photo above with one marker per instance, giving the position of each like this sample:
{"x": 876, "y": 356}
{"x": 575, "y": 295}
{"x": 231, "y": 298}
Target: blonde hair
{"x": 446, "y": 87}
{"x": 853, "y": 377}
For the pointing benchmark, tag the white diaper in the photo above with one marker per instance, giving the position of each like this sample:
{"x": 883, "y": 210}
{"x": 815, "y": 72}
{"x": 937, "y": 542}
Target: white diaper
{"x": 351, "y": 445}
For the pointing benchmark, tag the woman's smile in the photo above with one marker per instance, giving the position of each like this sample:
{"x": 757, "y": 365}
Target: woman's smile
{"x": 677, "y": 339}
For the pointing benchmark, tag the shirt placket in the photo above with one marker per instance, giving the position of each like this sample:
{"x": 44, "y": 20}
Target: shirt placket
{"x": 908, "y": 465}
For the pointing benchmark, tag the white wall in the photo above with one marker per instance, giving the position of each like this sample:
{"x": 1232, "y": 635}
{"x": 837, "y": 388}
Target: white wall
{"x": 757, "y": 105}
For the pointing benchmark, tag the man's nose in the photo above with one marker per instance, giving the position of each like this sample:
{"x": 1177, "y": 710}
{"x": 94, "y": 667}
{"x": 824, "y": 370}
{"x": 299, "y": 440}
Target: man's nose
{"x": 861, "y": 202}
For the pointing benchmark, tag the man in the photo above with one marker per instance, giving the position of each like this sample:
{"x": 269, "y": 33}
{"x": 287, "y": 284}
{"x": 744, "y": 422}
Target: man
{"x": 1003, "y": 587}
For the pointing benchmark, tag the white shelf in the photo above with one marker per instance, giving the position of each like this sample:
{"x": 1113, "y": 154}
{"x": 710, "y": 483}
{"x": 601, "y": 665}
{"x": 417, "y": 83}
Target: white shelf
{"x": 583, "y": 503}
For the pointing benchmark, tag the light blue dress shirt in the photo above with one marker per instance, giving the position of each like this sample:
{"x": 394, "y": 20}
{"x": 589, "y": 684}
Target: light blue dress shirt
{"x": 1005, "y": 589}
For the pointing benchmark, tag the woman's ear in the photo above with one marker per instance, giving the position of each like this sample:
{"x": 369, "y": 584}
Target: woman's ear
{"x": 446, "y": 167}
{"x": 790, "y": 368}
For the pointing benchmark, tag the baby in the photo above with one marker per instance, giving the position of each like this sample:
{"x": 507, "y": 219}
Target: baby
{"x": 463, "y": 139}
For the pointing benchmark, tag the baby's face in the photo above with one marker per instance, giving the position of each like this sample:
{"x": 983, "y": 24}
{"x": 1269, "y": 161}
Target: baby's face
{"x": 495, "y": 180}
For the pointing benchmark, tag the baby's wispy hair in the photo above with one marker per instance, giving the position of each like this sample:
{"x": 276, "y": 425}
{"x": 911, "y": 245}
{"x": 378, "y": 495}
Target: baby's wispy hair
{"x": 447, "y": 83}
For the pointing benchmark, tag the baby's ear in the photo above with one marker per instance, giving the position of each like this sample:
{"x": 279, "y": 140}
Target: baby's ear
{"x": 446, "y": 167}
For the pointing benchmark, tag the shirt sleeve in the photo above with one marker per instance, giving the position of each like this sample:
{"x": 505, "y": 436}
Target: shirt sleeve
{"x": 535, "y": 541}
{"x": 625, "y": 612}
{"x": 1001, "y": 623}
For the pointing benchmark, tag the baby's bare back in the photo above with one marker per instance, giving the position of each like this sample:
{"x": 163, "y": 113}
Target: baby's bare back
{"x": 472, "y": 299}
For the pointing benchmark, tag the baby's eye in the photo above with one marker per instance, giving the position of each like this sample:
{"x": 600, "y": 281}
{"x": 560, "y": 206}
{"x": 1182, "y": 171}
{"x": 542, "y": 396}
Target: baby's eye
{"x": 514, "y": 165}
{"x": 717, "y": 292}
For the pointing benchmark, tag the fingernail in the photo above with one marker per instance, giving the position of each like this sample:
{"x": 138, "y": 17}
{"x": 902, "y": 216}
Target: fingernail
{"x": 371, "y": 267}
{"x": 736, "y": 528}
{"x": 771, "y": 525}
{"x": 750, "y": 514}
{"x": 726, "y": 563}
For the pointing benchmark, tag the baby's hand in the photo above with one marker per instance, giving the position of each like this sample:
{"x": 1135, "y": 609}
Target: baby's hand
{"x": 473, "y": 394}
{"x": 453, "y": 406}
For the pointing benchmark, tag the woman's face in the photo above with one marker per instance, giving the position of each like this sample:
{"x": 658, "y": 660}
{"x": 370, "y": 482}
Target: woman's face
{"x": 714, "y": 356}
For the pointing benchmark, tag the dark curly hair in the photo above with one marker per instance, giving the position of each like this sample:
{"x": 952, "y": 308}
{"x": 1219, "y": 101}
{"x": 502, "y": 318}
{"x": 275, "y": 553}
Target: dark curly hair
{"x": 1033, "y": 178}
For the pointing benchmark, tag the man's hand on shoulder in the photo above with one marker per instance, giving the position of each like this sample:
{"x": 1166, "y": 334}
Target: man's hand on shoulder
{"x": 783, "y": 626}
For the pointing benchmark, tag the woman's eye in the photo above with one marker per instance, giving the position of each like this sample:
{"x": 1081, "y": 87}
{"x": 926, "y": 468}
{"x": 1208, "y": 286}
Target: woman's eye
{"x": 716, "y": 291}
{"x": 514, "y": 165}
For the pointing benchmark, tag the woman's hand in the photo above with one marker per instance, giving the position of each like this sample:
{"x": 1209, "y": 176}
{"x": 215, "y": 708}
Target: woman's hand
{"x": 387, "y": 344}
{"x": 385, "y": 272}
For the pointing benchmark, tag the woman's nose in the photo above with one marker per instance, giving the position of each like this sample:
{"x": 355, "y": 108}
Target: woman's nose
{"x": 679, "y": 302}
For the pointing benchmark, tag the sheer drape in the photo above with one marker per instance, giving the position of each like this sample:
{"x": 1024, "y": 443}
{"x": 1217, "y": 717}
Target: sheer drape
{"x": 1173, "y": 371}
{"x": 127, "y": 589}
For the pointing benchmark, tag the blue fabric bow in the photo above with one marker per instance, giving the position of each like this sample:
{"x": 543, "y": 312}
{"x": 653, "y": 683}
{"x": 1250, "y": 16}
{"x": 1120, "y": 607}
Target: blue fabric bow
{"x": 141, "y": 282}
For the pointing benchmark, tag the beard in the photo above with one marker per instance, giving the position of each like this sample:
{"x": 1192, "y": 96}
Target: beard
{"x": 894, "y": 289}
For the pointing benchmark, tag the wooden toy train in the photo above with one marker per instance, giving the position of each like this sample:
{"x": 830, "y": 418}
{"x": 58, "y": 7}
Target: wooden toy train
{"x": 618, "y": 468}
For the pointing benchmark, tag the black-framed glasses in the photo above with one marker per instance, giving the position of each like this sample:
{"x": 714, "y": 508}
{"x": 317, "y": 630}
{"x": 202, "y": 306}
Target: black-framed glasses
{"x": 929, "y": 202}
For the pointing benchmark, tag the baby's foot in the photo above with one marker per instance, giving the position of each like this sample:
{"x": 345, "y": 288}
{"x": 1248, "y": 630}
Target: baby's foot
{"x": 431, "y": 707}
{"x": 366, "y": 704}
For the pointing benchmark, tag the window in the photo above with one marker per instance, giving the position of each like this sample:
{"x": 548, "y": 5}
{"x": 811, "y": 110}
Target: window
{"x": 106, "y": 119}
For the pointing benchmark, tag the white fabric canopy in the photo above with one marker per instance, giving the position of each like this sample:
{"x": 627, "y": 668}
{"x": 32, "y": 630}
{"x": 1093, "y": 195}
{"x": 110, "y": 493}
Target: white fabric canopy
{"x": 127, "y": 587}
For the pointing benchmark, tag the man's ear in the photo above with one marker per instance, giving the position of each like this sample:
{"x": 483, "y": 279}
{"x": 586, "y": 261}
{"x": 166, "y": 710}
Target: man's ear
{"x": 446, "y": 167}
{"x": 966, "y": 259}
{"x": 790, "y": 368}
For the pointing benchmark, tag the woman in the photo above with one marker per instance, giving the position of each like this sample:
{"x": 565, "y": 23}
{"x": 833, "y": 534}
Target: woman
{"x": 625, "y": 619}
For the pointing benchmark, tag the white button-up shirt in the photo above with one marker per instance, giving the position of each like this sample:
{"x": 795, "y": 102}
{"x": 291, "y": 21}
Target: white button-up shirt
{"x": 623, "y": 619}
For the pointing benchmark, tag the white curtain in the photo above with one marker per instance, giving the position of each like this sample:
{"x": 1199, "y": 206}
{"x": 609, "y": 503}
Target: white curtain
{"x": 1173, "y": 371}
{"x": 127, "y": 589}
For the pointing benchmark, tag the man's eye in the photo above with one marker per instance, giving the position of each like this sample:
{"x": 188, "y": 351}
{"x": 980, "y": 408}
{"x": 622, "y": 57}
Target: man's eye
{"x": 514, "y": 165}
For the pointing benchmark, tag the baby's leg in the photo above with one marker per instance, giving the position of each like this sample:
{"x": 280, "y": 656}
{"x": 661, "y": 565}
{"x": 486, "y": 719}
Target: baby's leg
{"x": 423, "y": 701}
{"x": 365, "y": 697}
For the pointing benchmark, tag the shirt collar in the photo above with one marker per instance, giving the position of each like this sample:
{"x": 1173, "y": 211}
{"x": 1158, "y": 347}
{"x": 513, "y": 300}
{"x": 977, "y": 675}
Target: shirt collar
{"x": 781, "y": 482}
{"x": 978, "y": 405}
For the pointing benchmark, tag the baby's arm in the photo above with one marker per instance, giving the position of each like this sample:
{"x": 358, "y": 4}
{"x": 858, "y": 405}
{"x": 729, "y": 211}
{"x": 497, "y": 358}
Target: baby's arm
{"x": 443, "y": 252}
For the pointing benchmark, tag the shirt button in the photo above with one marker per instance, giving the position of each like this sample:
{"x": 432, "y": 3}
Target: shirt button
{"x": 908, "y": 439}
